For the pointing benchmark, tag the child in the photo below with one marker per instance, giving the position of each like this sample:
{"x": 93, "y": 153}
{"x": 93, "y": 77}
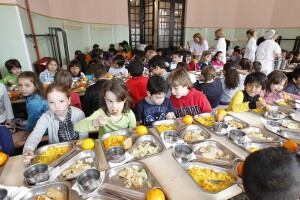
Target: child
{"x": 118, "y": 68}
{"x": 158, "y": 67}
{"x": 47, "y": 76}
{"x": 176, "y": 58}
{"x": 244, "y": 69}
{"x": 13, "y": 67}
{"x": 64, "y": 78}
{"x": 185, "y": 66}
{"x": 114, "y": 115}
{"x": 236, "y": 55}
{"x": 137, "y": 84}
{"x": 91, "y": 99}
{"x": 294, "y": 85}
{"x": 272, "y": 173}
{"x": 155, "y": 106}
{"x": 75, "y": 69}
{"x": 211, "y": 87}
{"x": 256, "y": 66}
{"x": 192, "y": 65}
{"x": 249, "y": 98}
{"x": 58, "y": 121}
{"x": 32, "y": 89}
{"x": 205, "y": 59}
{"x": 186, "y": 99}
{"x": 277, "y": 80}
{"x": 217, "y": 60}
{"x": 230, "y": 83}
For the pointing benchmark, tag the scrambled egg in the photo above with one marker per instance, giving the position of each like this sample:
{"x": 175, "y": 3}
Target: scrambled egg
{"x": 165, "y": 127}
{"x": 51, "y": 154}
{"x": 206, "y": 120}
{"x": 114, "y": 140}
{"x": 144, "y": 149}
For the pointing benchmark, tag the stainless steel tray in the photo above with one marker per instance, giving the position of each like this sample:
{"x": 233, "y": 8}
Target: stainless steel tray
{"x": 62, "y": 186}
{"x": 281, "y": 115}
{"x": 268, "y": 136}
{"x": 196, "y": 118}
{"x": 104, "y": 197}
{"x": 147, "y": 138}
{"x": 290, "y": 135}
{"x": 253, "y": 146}
{"x": 188, "y": 128}
{"x": 114, "y": 184}
{"x": 125, "y": 132}
{"x": 203, "y": 158}
{"x": 213, "y": 167}
{"x": 42, "y": 149}
{"x": 167, "y": 122}
{"x": 230, "y": 120}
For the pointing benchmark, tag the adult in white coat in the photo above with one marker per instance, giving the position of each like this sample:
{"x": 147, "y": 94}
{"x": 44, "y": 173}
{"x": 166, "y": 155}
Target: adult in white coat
{"x": 198, "y": 45}
{"x": 250, "y": 46}
{"x": 221, "y": 43}
{"x": 267, "y": 51}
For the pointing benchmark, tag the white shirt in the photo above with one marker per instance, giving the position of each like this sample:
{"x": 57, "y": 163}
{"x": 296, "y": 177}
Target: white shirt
{"x": 197, "y": 48}
{"x": 250, "y": 49}
{"x": 118, "y": 71}
{"x": 221, "y": 46}
{"x": 266, "y": 53}
{"x": 6, "y": 111}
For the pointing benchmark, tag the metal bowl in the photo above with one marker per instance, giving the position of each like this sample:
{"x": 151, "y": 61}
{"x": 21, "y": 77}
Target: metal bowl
{"x": 3, "y": 194}
{"x": 115, "y": 154}
{"x": 36, "y": 174}
{"x": 183, "y": 151}
{"x": 220, "y": 128}
{"x": 171, "y": 136}
{"x": 89, "y": 180}
{"x": 237, "y": 136}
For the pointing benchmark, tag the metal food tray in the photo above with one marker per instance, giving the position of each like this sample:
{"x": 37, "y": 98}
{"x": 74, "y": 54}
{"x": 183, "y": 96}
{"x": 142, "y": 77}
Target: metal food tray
{"x": 164, "y": 122}
{"x": 43, "y": 149}
{"x": 196, "y": 148}
{"x": 232, "y": 118}
{"x": 260, "y": 146}
{"x": 147, "y": 138}
{"x": 40, "y": 190}
{"x": 125, "y": 132}
{"x": 203, "y": 115}
{"x": 204, "y": 133}
{"x": 290, "y": 135}
{"x": 265, "y": 134}
{"x": 285, "y": 121}
{"x": 79, "y": 156}
{"x": 114, "y": 184}
{"x": 213, "y": 167}
{"x": 104, "y": 197}
{"x": 282, "y": 115}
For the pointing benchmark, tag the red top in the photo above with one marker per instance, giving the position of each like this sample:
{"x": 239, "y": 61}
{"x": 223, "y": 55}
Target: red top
{"x": 75, "y": 100}
{"x": 193, "y": 66}
{"x": 137, "y": 87}
{"x": 192, "y": 104}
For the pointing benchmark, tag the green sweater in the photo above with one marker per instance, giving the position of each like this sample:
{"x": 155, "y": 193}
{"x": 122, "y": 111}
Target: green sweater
{"x": 11, "y": 78}
{"x": 127, "y": 121}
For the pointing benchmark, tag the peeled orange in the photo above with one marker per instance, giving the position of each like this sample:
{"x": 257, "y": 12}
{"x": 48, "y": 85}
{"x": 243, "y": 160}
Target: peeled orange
{"x": 3, "y": 158}
{"x": 155, "y": 194}
{"x": 187, "y": 120}
{"x": 88, "y": 144}
{"x": 141, "y": 130}
{"x": 290, "y": 145}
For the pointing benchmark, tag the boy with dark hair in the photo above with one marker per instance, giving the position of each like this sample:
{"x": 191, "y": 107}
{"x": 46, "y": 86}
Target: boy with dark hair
{"x": 118, "y": 68}
{"x": 294, "y": 85}
{"x": 13, "y": 67}
{"x": 137, "y": 84}
{"x": 155, "y": 106}
{"x": 157, "y": 66}
{"x": 272, "y": 174}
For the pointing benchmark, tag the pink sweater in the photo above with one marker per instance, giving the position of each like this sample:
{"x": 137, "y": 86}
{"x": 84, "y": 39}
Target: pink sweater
{"x": 217, "y": 64}
{"x": 271, "y": 98}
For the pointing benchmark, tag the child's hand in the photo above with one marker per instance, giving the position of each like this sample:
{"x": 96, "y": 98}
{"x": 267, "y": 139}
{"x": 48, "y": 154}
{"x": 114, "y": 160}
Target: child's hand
{"x": 170, "y": 115}
{"x": 100, "y": 121}
{"x": 287, "y": 97}
{"x": 27, "y": 156}
{"x": 10, "y": 123}
{"x": 261, "y": 103}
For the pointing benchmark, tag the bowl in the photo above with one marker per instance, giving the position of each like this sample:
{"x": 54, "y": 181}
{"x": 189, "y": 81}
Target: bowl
{"x": 3, "y": 194}
{"x": 237, "y": 136}
{"x": 115, "y": 154}
{"x": 220, "y": 128}
{"x": 36, "y": 174}
{"x": 89, "y": 180}
{"x": 183, "y": 151}
{"x": 171, "y": 136}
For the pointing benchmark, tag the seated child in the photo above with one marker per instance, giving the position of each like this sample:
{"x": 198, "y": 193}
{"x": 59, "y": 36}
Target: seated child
{"x": 186, "y": 99}
{"x": 158, "y": 67}
{"x": 155, "y": 106}
{"x": 118, "y": 68}
{"x": 244, "y": 69}
{"x": 192, "y": 65}
{"x": 47, "y": 76}
{"x": 13, "y": 67}
{"x": 58, "y": 121}
{"x": 176, "y": 58}
{"x": 249, "y": 98}
{"x": 137, "y": 83}
{"x": 217, "y": 60}
{"x": 272, "y": 174}
{"x": 211, "y": 87}
{"x": 75, "y": 69}
{"x": 185, "y": 66}
{"x": 114, "y": 115}
{"x": 293, "y": 86}
{"x": 256, "y": 66}
{"x": 205, "y": 59}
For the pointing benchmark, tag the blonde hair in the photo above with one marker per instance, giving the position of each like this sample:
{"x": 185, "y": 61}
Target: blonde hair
{"x": 219, "y": 33}
{"x": 198, "y": 35}
{"x": 180, "y": 77}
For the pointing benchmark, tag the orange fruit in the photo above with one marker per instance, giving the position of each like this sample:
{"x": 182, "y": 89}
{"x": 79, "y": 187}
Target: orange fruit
{"x": 3, "y": 158}
{"x": 187, "y": 120}
{"x": 88, "y": 144}
{"x": 221, "y": 113}
{"x": 141, "y": 130}
{"x": 155, "y": 194}
{"x": 290, "y": 145}
{"x": 239, "y": 168}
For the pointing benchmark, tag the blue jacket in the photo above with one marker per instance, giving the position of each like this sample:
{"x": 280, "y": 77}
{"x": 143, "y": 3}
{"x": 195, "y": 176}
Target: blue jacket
{"x": 36, "y": 105}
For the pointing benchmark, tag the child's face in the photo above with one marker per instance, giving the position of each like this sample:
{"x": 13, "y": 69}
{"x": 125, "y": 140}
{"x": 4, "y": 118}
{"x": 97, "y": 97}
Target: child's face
{"x": 114, "y": 106}
{"x": 188, "y": 59}
{"x": 219, "y": 57}
{"x": 277, "y": 87}
{"x": 16, "y": 71}
{"x": 75, "y": 70}
{"x": 207, "y": 58}
{"x": 26, "y": 87}
{"x": 180, "y": 91}
{"x": 52, "y": 66}
{"x": 157, "y": 99}
{"x": 253, "y": 89}
{"x": 176, "y": 58}
{"x": 58, "y": 103}
{"x": 297, "y": 81}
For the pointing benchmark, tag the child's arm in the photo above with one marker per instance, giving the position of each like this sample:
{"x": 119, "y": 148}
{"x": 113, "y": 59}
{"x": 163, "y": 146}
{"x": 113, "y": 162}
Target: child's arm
{"x": 204, "y": 104}
{"x": 35, "y": 110}
{"x": 132, "y": 120}
{"x": 237, "y": 104}
{"x": 88, "y": 124}
{"x": 289, "y": 96}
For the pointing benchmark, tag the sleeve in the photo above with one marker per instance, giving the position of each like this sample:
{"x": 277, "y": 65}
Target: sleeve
{"x": 192, "y": 47}
{"x": 35, "y": 110}
{"x": 277, "y": 49}
{"x": 205, "y": 44}
{"x": 170, "y": 107}
{"x": 4, "y": 80}
{"x": 36, "y": 135}
{"x": 204, "y": 104}
{"x": 80, "y": 116}
{"x": 291, "y": 89}
{"x": 237, "y": 104}
{"x": 290, "y": 96}
{"x": 85, "y": 125}
{"x": 132, "y": 120}
{"x": 7, "y": 105}
{"x": 43, "y": 77}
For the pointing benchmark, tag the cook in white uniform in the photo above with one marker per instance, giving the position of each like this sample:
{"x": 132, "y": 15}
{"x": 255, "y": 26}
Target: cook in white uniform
{"x": 221, "y": 43}
{"x": 199, "y": 44}
{"x": 267, "y": 51}
{"x": 251, "y": 45}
